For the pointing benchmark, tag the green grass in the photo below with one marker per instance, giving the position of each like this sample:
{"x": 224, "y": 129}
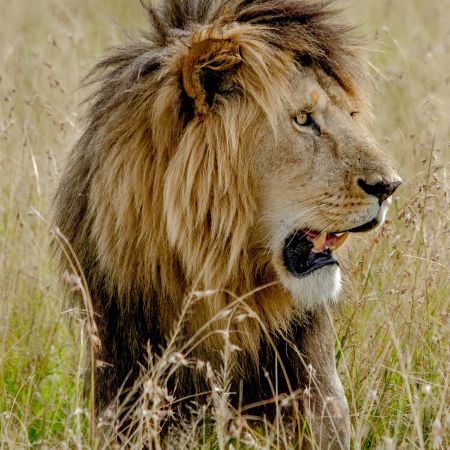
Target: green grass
{"x": 394, "y": 328}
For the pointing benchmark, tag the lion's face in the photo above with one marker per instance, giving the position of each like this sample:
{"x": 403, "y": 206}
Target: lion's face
{"x": 320, "y": 177}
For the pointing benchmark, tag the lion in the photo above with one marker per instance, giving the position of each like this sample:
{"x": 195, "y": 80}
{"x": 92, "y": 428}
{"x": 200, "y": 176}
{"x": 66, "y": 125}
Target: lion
{"x": 225, "y": 152}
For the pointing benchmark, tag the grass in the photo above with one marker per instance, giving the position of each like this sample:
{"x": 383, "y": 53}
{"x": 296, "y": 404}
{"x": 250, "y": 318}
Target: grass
{"x": 393, "y": 333}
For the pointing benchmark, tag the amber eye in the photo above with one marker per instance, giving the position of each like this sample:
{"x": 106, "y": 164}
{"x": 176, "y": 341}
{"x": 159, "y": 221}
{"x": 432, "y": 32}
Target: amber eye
{"x": 304, "y": 120}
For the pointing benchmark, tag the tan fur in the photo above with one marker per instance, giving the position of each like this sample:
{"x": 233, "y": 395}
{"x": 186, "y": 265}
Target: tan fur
{"x": 190, "y": 174}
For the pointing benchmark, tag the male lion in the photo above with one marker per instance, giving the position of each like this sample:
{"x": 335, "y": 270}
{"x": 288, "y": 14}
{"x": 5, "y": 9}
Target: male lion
{"x": 223, "y": 153}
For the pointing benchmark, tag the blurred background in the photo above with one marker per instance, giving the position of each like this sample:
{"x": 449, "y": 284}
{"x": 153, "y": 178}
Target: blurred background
{"x": 393, "y": 332}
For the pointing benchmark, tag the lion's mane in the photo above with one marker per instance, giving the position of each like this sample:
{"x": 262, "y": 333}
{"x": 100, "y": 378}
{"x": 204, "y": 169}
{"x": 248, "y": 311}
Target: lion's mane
{"x": 157, "y": 199}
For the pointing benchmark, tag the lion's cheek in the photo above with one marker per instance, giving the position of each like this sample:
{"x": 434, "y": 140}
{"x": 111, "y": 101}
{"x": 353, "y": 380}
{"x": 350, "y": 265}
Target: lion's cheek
{"x": 320, "y": 287}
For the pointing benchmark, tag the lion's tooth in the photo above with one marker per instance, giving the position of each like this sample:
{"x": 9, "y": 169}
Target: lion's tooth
{"x": 319, "y": 241}
{"x": 340, "y": 240}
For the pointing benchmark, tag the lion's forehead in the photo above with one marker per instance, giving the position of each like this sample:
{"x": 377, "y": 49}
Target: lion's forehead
{"x": 314, "y": 90}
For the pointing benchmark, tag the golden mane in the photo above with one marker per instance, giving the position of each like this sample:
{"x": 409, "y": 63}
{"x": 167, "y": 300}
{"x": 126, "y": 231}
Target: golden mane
{"x": 157, "y": 198}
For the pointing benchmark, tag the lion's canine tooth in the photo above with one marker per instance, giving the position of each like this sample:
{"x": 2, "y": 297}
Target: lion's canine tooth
{"x": 340, "y": 240}
{"x": 319, "y": 242}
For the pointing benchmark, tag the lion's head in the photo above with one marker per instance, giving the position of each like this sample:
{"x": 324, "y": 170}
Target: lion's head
{"x": 224, "y": 151}
{"x": 318, "y": 178}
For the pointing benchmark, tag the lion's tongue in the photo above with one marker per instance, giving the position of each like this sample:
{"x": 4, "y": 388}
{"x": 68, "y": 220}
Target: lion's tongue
{"x": 323, "y": 241}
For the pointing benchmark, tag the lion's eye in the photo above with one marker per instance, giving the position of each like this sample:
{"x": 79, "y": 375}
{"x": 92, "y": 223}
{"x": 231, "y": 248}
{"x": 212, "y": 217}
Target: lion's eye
{"x": 304, "y": 120}
{"x": 353, "y": 114}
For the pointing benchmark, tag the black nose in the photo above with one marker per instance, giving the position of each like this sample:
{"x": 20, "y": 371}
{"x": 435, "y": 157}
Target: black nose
{"x": 381, "y": 190}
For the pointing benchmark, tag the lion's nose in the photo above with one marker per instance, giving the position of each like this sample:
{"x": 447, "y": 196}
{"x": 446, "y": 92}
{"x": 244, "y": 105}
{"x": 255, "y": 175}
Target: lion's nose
{"x": 382, "y": 190}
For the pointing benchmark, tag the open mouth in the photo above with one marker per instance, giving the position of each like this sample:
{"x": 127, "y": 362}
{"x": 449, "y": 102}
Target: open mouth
{"x": 307, "y": 250}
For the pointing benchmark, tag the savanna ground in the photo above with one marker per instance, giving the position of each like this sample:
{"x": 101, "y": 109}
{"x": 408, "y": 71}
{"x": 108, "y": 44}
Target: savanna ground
{"x": 393, "y": 331}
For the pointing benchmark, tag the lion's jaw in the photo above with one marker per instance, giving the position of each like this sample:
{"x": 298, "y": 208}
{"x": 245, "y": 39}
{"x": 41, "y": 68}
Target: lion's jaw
{"x": 320, "y": 287}
{"x": 311, "y": 193}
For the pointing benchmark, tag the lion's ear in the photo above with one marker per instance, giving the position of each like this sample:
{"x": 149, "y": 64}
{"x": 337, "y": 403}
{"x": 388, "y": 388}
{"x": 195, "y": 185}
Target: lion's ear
{"x": 206, "y": 68}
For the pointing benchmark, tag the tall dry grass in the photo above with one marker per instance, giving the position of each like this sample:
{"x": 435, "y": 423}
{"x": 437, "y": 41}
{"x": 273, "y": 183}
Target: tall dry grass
{"x": 393, "y": 333}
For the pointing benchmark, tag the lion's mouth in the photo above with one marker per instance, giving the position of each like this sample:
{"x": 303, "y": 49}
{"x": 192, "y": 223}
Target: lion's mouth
{"x": 307, "y": 250}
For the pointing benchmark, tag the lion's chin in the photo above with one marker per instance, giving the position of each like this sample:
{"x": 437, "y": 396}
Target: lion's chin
{"x": 320, "y": 287}
{"x": 308, "y": 269}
